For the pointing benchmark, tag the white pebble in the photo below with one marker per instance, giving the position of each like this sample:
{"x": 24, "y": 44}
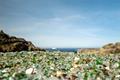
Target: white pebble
{"x": 30, "y": 71}
{"x": 98, "y": 78}
{"x": 107, "y": 68}
{"x": 76, "y": 59}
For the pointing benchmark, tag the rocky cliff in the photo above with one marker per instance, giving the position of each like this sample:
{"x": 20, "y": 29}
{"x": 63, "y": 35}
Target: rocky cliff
{"x": 12, "y": 43}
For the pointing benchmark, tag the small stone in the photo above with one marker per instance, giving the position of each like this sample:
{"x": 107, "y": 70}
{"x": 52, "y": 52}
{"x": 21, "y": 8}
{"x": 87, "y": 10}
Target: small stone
{"x": 59, "y": 73}
{"x": 107, "y": 68}
{"x": 116, "y": 65}
{"x": 10, "y": 78}
{"x": 98, "y": 78}
{"x": 106, "y": 63}
{"x": 76, "y": 59}
{"x": 76, "y": 65}
{"x": 5, "y": 70}
{"x": 71, "y": 69}
{"x": 117, "y": 76}
{"x": 52, "y": 68}
{"x": 31, "y": 71}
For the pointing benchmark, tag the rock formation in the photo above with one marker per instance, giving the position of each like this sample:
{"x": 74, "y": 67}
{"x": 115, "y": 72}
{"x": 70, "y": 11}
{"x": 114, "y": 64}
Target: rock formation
{"x": 12, "y": 43}
{"x": 106, "y": 49}
{"x": 88, "y": 50}
{"x": 110, "y": 48}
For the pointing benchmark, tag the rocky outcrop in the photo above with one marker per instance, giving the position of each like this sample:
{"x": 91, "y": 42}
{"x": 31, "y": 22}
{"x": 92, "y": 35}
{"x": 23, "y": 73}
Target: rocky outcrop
{"x": 112, "y": 48}
{"x": 12, "y": 43}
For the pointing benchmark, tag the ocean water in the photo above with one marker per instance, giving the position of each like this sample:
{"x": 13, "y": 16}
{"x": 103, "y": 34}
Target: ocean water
{"x": 63, "y": 49}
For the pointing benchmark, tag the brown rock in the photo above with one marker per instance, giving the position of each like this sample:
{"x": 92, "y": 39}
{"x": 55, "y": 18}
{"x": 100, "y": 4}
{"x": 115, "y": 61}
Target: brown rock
{"x": 11, "y": 44}
{"x": 88, "y": 51}
{"x": 111, "y": 48}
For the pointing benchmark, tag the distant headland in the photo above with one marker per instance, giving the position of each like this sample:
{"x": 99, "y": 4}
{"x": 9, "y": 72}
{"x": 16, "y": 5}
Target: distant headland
{"x": 12, "y": 44}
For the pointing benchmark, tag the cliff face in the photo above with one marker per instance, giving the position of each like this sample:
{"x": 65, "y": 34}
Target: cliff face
{"x": 11, "y": 44}
{"x": 106, "y": 49}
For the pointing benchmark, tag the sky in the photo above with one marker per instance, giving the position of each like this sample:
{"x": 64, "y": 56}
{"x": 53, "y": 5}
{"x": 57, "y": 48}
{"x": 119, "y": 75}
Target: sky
{"x": 62, "y": 23}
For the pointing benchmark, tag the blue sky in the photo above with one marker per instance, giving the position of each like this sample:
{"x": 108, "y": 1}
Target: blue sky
{"x": 62, "y": 23}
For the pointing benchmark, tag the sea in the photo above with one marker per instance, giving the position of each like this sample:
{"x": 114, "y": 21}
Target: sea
{"x": 63, "y": 49}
